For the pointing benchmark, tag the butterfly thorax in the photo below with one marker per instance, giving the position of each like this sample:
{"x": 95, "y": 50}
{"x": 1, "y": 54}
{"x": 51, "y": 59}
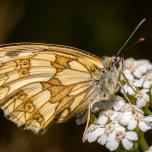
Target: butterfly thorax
{"x": 107, "y": 82}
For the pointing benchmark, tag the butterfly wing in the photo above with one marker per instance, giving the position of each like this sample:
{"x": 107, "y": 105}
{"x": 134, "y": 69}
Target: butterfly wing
{"x": 41, "y": 84}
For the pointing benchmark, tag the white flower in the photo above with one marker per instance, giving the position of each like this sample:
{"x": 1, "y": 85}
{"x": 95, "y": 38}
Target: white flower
{"x": 125, "y": 117}
{"x": 118, "y": 103}
{"x": 147, "y": 84}
{"x": 127, "y": 142}
{"x": 146, "y": 124}
{"x": 120, "y": 135}
{"x": 108, "y": 138}
{"x": 136, "y": 68}
{"x": 142, "y": 98}
{"x": 140, "y": 70}
{"x": 137, "y": 73}
{"x": 128, "y": 89}
{"x": 102, "y": 120}
{"x": 97, "y": 131}
{"x": 143, "y": 68}
{"x": 108, "y": 129}
{"x": 135, "y": 119}
{"x": 147, "y": 80}
{"x": 92, "y": 136}
{"x": 130, "y": 64}
{"x": 143, "y": 62}
{"x": 128, "y": 75}
{"x": 110, "y": 114}
{"x": 126, "y": 108}
{"x": 138, "y": 82}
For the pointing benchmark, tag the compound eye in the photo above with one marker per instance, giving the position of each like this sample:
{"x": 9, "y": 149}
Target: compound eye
{"x": 116, "y": 63}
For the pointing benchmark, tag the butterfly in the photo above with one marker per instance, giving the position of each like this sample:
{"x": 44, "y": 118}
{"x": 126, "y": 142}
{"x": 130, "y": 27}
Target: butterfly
{"x": 42, "y": 84}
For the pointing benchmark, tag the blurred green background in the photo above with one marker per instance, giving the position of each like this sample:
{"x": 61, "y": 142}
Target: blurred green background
{"x": 100, "y": 27}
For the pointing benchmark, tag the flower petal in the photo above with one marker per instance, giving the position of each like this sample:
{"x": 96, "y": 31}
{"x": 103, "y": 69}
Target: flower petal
{"x": 92, "y": 127}
{"x": 112, "y": 145}
{"x": 131, "y": 135}
{"x": 125, "y": 117}
{"x": 131, "y": 91}
{"x": 148, "y": 119}
{"x": 144, "y": 126}
{"x": 102, "y": 139}
{"x": 127, "y": 144}
{"x": 119, "y": 128}
{"x": 111, "y": 136}
{"x": 132, "y": 124}
{"x": 142, "y": 68}
{"x": 147, "y": 84}
{"x": 102, "y": 120}
{"x": 138, "y": 82}
{"x": 128, "y": 74}
{"x": 141, "y": 102}
{"x": 119, "y": 103}
{"x": 91, "y": 137}
{"x": 114, "y": 116}
{"x": 146, "y": 97}
{"x": 99, "y": 131}
{"x": 137, "y": 73}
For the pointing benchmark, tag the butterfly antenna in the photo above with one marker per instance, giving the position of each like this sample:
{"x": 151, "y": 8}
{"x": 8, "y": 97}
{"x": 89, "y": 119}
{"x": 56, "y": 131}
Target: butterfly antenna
{"x": 137, "y": 27}
{"x": 140, "y": 40}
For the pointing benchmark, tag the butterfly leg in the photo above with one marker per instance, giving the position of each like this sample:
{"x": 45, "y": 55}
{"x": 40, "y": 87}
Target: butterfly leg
{"x": 128, "y": 82}
{"x": 131, "y": 105}
{"x": 87, "y": 124}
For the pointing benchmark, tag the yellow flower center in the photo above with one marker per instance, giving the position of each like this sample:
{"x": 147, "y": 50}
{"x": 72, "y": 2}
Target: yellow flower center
{"x": 109, "y": 128}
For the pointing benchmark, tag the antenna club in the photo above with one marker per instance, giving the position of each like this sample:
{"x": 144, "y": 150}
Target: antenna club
{"x": 143, "y": 20}
{"x": 142, "y": 39}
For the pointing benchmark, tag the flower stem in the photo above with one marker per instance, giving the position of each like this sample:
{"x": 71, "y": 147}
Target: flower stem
{"x": 121, "y": 150}
{"x": 143, "y": 143}
{"x": 147, "y": 111}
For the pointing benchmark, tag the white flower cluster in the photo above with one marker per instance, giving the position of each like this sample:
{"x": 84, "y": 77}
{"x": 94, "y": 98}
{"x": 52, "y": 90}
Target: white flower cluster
{"x": 119, "y": 125}
{"x": 139, "y": 76}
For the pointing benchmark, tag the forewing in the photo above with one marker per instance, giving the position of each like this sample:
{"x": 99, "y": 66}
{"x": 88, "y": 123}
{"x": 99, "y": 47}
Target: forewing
{"x": 41, "y": 84}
